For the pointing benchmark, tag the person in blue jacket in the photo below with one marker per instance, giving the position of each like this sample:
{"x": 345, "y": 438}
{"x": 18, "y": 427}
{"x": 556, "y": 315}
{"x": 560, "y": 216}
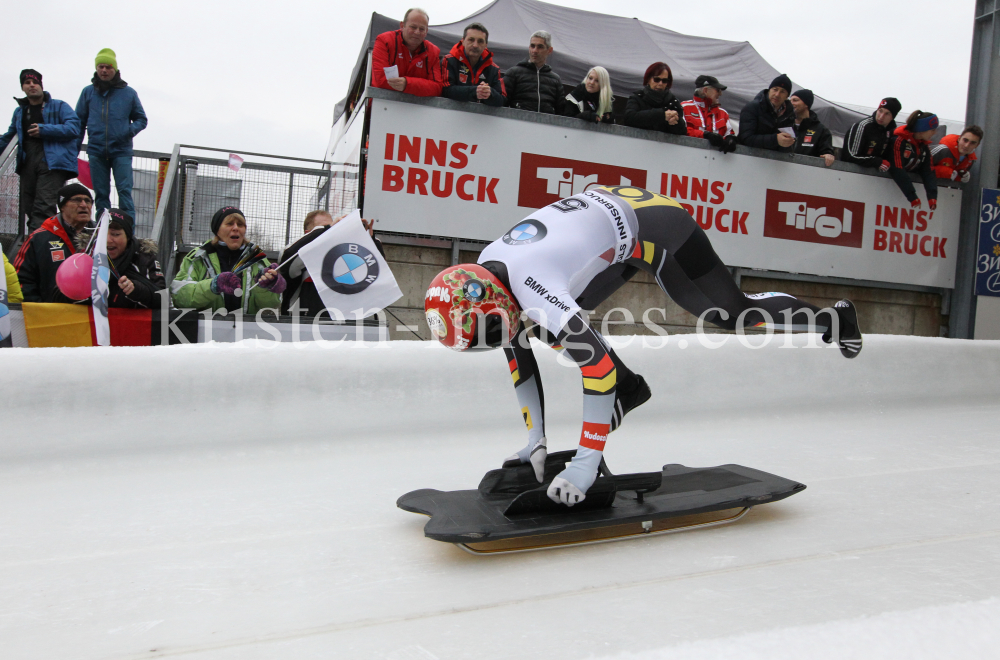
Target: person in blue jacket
{"x": 111, "y": 115}
{"x": 47, "y": 131}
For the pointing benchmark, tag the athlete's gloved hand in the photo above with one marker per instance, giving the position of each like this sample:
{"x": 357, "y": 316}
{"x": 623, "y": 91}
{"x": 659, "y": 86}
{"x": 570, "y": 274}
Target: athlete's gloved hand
{"x": 728, "y": 144}
{"x": 966, "y": 176}
{"x": 915, "y": 204}
{"x": 272, "y": 280}
{"x": 714, "y": 139}
{"x": 572, "y": 484}
{"x": 932, "y": 203}
{"x": 225, "y": 283}
{"x": 565, "y": 492}
{"x": 535, "y": 453}
{"x": 884, "y": 167}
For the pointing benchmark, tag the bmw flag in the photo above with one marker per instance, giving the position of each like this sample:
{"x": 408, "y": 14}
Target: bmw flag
{"x": 99, "y": 276}
{"x": 350, "y": 275}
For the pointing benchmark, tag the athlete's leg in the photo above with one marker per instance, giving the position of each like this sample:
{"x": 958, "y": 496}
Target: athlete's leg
{"x": 679, "y": 254}
{"x": 531, "y": 398}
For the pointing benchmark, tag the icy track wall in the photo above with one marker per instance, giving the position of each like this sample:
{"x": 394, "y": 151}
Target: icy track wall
{"x": 123, "y": 399}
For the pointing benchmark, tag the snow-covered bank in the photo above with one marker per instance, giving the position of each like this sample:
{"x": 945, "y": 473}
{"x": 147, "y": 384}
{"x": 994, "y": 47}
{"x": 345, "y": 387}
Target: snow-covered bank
{"x": 234, "y": 501}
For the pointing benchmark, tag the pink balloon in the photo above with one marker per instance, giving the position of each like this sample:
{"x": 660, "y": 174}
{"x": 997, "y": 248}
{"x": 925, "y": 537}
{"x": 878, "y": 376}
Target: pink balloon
{"x": 73, "y": 276}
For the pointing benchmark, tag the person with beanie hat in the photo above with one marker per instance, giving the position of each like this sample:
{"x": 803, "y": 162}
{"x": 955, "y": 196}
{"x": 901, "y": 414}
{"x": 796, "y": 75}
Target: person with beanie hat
{"x": 47, "y": 131}
{"x": 763, "y": 118}
{"x": 908, "y": 151}
{"x": 136, "y": 275}
{"x": 43, "y": 252}
{"x": 812, "y": 138}
{"x": 205, "y": 279}
{"x": 111, "y": 115}
{"x": 865, "y": 141}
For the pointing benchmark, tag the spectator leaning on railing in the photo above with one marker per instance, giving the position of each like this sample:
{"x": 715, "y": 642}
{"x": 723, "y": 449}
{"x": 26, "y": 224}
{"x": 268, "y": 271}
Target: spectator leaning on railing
{"x": 591, "y": 100}
{"x": 48, "y": 246}
{"x": 135, "y": 271}
{"x": 472, "y": 75}
{"x": 908, "y": 152}
{"x": 866, "y": 140}
{"x": 47, "y": 131}
{"x": 952, "y": 158}
{"x": 301, "y": 288}
{"x": 532, "y": 84}
{"x": 812, "y": 138}
{"x": 414, "y": 63}
{"x": 705, "y": 118}
{"x": 111, "y": 114}
{"x": 205, "y": 279}
{"x": 654, "y": 106}
{"x": 762, "y": 119}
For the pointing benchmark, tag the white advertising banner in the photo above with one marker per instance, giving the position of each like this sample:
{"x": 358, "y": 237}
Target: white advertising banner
{"x": 448, "y": 173}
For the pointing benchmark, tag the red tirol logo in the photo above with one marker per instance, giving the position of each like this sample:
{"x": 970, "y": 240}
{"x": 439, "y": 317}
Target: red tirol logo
{"x": 546, "y": 179}
{"x": 798, "y": 217}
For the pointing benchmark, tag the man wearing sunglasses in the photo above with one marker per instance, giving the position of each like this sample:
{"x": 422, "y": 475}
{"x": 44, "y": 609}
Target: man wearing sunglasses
{"x": 47, "y": 247}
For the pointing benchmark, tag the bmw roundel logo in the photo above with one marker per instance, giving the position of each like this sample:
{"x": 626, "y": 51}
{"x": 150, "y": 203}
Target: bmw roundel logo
{"x": 474, "y": 290}
{"x": 349, "y": 268}
{"x": 528, "y": 231}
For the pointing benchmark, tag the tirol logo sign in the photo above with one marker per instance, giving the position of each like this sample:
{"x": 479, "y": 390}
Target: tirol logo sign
{"x": 546, "y": 179}
{"x": 798, "y": 217}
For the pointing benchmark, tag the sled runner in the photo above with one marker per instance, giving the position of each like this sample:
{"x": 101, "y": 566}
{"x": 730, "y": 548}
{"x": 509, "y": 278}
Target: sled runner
{"x": 510, "y": 511}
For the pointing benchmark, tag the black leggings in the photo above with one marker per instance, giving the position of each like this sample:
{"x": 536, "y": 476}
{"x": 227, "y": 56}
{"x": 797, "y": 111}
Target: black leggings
{"x": 676, "y": 251}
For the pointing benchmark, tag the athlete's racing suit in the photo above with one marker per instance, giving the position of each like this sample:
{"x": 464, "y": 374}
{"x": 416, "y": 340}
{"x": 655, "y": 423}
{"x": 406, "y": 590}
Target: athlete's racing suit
{"x": 572, "y": 255}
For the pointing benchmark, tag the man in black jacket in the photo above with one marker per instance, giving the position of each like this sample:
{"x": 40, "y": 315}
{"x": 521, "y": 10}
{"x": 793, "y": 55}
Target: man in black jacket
{"x": 532, "y": 84}
{"x": 762, "y": 119}
{"x": 51, "y": 244}
{"x": 472, "y": 74}
{"x": 812, "y": 138}
{"x": 865, "y": 142}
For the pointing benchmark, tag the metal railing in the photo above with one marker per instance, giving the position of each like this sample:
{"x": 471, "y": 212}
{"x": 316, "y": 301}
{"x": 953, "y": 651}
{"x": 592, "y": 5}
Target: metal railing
{"x": 274, "y": 197}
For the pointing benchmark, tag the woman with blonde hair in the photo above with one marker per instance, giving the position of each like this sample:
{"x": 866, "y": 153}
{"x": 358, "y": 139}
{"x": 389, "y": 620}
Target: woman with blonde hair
{"x": 591, "y": 100}
{"x": 216, "y": 275}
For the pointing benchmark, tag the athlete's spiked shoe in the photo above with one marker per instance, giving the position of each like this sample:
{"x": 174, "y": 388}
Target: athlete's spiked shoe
{"x": 627, "y": 397}
{"x": 850, "y": 331}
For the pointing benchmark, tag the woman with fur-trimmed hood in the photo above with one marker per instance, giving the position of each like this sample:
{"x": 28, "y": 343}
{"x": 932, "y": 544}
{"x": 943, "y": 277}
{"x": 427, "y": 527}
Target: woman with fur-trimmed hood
{"x": 136, "y": 276}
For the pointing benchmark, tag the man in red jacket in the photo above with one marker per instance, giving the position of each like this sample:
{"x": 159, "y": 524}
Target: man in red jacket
{"x": 405, "y": 61}
{"x": 705, "y": 118}
{"x": 952, "y": 158}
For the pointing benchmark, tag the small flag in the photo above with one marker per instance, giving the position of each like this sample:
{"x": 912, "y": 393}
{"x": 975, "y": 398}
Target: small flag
{"x": 349, "y": 273}
{"x": 83, "y": 173}
{"x": 99, "y": 282}
{"x": 235, "y": 162}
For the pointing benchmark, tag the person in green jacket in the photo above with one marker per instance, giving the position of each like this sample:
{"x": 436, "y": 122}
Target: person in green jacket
{"x": 13, "y": 286}
{"x": 205, "y": 279}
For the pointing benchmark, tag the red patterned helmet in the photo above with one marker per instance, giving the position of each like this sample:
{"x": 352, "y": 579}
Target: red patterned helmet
{"x": 468, "y": 308}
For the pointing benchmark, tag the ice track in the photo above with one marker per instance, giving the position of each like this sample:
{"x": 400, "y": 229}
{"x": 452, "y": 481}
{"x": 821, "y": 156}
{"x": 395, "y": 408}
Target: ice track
{"x": 237, "y": 501}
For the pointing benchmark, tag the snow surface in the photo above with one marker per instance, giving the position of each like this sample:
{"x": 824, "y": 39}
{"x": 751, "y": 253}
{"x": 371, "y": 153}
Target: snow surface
{"x": 238, "y": 501}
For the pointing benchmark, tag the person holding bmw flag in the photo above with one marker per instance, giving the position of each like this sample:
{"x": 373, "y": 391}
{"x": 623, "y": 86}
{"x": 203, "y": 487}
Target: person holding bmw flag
{"x": 571, "y": 256}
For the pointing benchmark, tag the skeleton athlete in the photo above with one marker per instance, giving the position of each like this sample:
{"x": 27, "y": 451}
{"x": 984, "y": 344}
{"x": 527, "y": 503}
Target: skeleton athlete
{"x": 572, "y": 255}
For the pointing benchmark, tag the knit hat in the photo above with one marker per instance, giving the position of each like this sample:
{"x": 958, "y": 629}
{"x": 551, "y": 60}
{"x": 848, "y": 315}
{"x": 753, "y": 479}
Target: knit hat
{"x": 72, "y": 190}
{"x": 106, "y": 56}
{"x": 31, "y": 74}
{"x": 123, "y": 220}
{"x": 892, "y": 105}
{"x": 928, "y": 123}
{"x": 806, "y": 96}
{"x": 220, "y": 215}
{"x": 708, "y": 81}
{"x": 782, "y": 81}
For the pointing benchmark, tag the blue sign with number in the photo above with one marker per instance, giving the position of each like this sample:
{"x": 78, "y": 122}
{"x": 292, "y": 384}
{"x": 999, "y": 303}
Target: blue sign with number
{"x": 988, "y": 259}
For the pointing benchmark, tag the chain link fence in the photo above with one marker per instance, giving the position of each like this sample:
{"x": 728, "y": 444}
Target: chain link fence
{"x": 274, "y": 197}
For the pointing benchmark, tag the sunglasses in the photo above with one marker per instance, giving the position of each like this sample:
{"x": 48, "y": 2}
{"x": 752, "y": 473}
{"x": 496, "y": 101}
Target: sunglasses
{"x": 660, "y": 80}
